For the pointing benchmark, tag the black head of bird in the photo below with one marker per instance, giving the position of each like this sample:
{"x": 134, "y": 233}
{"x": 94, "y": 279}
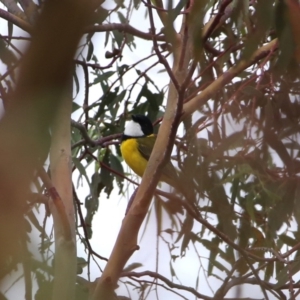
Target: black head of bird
{"x": 139, "y": 126}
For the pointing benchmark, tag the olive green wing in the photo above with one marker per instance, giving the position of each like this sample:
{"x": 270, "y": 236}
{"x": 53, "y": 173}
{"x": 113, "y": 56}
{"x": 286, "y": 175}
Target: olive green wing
{"x": 169, "y": 174}
{"x": 145, "y": 145}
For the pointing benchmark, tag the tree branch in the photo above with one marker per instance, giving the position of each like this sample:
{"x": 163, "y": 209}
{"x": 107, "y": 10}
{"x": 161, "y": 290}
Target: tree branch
{"x": 215, "y": 21}
{"x": 15, "y": 20}
{"x": 91, "y": 142}
{"x": 182, "y": 287}
{"x": 14, "y": 9}
{"x": 31, "y": 111}
{"x": 225, "y": 78}
{"x": 167, "y": 281}
{"x": 123, "y": 28}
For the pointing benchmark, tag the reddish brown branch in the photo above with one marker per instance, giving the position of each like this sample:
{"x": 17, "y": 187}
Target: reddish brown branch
{"x": 216, "y": 20}
{"x": 15, "y": 20}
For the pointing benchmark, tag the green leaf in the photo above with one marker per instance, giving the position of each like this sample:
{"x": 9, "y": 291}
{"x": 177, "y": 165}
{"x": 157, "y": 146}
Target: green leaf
{"x": 287, "y": 272}
{"x": 215, "y": 242}
{"x": 252, "y": 91}
{"x": 77, "y": 85}
{"x": 234, "y": 190}
{"x": 242, "y": 266}
{"x": 75, "y": 106}
{"x": 288, "y": 240}
{"x": 92, "y": 202}
{"x": 45, "y": 289}
{"x": 6, "y": 55}
{"x": 136, "y": 3}
{"x": 285, "y": 36}
{"x": 81, "y": 263}
{"x": 10, "y": 29}
{"x": 106, "y": 176}
{"x": 269, "y": 270}
{"x": 185, "y": 232}
{"x": 118, "y": 167}
{"x": 27, "y": 225}
{"x": 90, "y": 51}
{"x": 132, "y": 267}
{"x": 106, "y": 101}
{"x": 118, "y": 38}
{"x": 102, "y": 77}
{"x": 250, "y": 207}
{"x": 234, "y": 140}
{"x": 122, "y": 18}
{"x": 174, "y": 13}
{"x": 173, "y": 274}
{"x": 101, "y": 14}
{"x": 79, "y": 166}
{"x": 222, "y": 208}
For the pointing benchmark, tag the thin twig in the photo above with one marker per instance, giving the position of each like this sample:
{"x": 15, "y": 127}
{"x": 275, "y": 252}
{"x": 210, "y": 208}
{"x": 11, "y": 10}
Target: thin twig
{"x": 82, "y": 222}
{"x": 175, "y": 285}
{"x": 158, "y": 53}
{"x": 86, "y": 95}
{"x": 124, "y": 28}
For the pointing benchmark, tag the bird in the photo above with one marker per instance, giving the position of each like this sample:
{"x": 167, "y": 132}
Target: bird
{"x": 137, "y": 143}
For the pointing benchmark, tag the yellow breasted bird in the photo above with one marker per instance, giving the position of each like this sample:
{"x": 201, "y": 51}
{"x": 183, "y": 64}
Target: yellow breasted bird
{"x": 137, "y": 143}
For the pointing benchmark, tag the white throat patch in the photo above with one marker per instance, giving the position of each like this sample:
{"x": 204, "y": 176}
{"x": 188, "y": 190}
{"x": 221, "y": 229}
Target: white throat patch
{"x": 133, "y": 129}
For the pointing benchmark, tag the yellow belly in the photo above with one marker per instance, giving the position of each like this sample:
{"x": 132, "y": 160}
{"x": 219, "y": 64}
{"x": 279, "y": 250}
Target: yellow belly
{"x": 132, "y": 156}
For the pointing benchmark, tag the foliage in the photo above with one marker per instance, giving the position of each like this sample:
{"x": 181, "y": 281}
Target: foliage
{"x": 238, "y": 148}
